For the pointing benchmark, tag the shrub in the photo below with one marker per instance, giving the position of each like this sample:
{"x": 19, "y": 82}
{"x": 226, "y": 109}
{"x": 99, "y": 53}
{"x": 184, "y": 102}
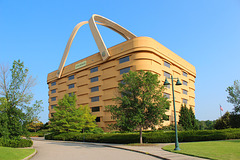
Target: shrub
{"x": 149, "y": 137}
{"x": 15, "y": 142}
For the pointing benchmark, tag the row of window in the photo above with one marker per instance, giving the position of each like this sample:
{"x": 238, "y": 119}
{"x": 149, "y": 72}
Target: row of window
{"x": 168, "y": 65}
{"x": 94, "y": 109}
{"x": 166, "y": 74}
{"x": 97, "y": 118}
{"x": 93, "y": 99}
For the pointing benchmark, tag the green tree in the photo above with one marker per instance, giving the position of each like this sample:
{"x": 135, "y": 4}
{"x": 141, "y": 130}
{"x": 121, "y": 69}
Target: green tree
{"x": 223, "y": 122}
{"x": 69, "y": 118}
{"x": 187, "y": 118}
{"x": 141, "y": 103}
{"x": 234, "y": 96}
{"x": 206, "y": 125}
{"x": 16, "y": 110}
{"x": 35, "y": 125}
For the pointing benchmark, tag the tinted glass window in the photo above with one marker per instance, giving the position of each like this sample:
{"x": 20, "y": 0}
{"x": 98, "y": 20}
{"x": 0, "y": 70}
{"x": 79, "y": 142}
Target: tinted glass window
{"x": 167, "y": 95}
{"x": 184, "y": 74}
{"x": 52, "y": 106}
{"x": 70, "y": 86}
{"x": 167, "y": 64}
{"x": 185, "y": 83}
{"x": 184, "y": 101}
{"x": 184, "y": 91}
{"x": 71, "y": 94}
{"x": 53, "y": 91}
{"x": 94, "y": 99}
{"x": 125, "y": 59}
{"x": 71, "y": 77}
{"x": 53, "y": 99}
{"x": 95, "y": 109}
{"x": 94, "y": 79}
{"x": 98, "y": 119}
{"x": 166, "y": 74}
{"x": 53, "y": 83}
{"x": 94, "y": 89}
{"x": 124, "y": 70}
{"x": 94, "y": 69}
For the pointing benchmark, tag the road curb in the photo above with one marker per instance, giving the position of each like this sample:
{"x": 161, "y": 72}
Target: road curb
{"x": 30, "y": 156}
{"x": 133, "y": 150}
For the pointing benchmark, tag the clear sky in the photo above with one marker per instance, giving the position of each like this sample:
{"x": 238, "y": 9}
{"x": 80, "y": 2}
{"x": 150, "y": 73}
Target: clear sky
{"x": 206, "y": 33}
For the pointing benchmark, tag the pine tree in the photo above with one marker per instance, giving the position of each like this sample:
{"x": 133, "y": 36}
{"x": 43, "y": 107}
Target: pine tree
{"x": 187, "y": 118}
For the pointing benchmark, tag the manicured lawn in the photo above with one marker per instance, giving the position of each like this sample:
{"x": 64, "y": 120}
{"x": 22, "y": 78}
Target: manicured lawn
{"x": 229, "y": 149}
{"x": 7, "y": 153}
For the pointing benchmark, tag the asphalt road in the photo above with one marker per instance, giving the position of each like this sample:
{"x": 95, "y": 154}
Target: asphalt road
{"x": 54, "y": 150}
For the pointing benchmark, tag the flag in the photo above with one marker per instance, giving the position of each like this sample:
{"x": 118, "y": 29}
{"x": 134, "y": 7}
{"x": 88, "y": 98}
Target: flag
{"x": 221, "y": 108}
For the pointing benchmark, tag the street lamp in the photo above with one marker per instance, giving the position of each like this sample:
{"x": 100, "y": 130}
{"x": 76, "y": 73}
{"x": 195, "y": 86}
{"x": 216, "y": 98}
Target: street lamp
{"x": 176, "y": 134}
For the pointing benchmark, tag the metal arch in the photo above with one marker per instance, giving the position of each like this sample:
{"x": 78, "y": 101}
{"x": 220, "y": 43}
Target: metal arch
{"x": 97, "y": 37}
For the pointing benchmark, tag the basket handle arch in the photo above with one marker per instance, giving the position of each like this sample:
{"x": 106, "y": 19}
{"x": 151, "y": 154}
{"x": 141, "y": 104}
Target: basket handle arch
{"x": 97, "y": 37}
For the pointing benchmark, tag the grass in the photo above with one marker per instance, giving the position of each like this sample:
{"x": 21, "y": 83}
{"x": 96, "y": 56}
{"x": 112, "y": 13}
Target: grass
{"x": 7, "y": 153}
{"x": 143, "y": 144}
{"x": 226, "y": 150}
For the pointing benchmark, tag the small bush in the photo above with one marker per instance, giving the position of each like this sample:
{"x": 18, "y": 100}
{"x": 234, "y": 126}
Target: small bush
{"x": 15, "y": 142}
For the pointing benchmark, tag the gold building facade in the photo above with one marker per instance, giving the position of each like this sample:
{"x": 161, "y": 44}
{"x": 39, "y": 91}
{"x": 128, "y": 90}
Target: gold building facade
{"x": 95, "y": 82}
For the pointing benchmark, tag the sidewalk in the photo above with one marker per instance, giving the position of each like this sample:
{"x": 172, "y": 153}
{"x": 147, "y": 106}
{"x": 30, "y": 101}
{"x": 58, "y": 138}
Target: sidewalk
{"x": 152, "y": 150}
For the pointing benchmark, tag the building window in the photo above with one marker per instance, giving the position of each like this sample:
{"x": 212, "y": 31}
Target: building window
{"x": 166, "y": 74}
{"x": 53, "y": 91}
{"x": 125, "y": 59}
{"x": 95, "y": 109}
{"x": 98, "y": 119}
{"x": 95, "y": 99}
{"x": 184, "y": 91}
{"x": 184, "y": 74}
{"x": 124, "y": 70}
{"x": 94, "y": 69}
{"x": 185, "y": 83}
{"x": 167, "y": 86}
{"x": 53, "y": 83}
{"x": 71, "y": 94}
{"x": 94, "y": 79}
{"x": 71, "y": 86}
{"x": 52, "y": 106}
{"x": 166, "y": 64}
{"x": 166, "y": 95}
{"x": 71, "y": 77}
{"x": 184, "y": 101}
{"x": 53, "y": 99}
{"x": 94, "y": 89}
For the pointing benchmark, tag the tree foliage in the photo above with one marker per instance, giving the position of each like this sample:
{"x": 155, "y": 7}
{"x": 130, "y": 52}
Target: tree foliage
{"x": 223, "y": 122}
{"x": 141, "y": 104}
{"x": 234, "y": 96}
{"x": 16, "y": 110}
{"x": 206, "y": 125}
{"x": 187, "y": 118}
{"x": 35, "y": 125}
{"x": 68, "y": 118}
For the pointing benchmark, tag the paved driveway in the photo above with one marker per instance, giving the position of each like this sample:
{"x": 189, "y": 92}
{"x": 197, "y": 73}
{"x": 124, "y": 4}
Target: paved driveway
{"x": 58, "y": 150}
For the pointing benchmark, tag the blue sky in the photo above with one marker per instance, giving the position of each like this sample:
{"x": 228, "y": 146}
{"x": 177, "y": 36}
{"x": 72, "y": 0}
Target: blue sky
{"x": 206, "y": 33}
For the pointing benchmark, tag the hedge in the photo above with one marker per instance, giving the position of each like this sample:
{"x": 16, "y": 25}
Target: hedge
{"x": 16, "y": 142}
{"x": 149, "y": 137}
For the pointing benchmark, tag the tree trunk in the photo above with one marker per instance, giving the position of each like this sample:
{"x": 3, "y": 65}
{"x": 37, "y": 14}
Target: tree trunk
{"x": 141, "y": 141}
